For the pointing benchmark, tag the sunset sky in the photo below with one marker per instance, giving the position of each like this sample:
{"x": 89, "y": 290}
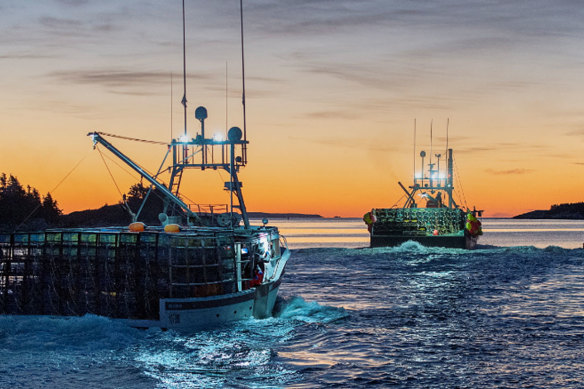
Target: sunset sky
{"x": 333, "y": 89}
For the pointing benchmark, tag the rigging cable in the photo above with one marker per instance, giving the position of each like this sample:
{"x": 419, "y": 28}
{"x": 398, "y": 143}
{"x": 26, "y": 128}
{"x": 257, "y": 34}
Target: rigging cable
{"x": 133, "y": 139}
{"x": 53, "y": 190}
{"x": 459, "y": 183}
{"x": 129, "y": 173}
{"x": 398, "y": 201}
{"x": 110, "y": 173}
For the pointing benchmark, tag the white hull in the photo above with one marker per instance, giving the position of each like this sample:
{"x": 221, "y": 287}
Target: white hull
{"x": 188, "y": 314}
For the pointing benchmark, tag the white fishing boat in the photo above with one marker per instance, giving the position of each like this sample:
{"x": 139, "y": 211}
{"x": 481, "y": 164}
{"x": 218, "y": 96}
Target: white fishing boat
{"x": 203, "y": 266}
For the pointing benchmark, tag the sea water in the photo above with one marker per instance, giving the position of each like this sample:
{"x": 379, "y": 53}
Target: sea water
{"x": 508, "y": 315}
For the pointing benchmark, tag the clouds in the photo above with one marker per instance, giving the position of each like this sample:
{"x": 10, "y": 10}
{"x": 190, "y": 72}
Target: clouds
{"x": 338, "y": 74}
{"x": 578, "y": 133}
{"x": 509, "y": 172}
{"x": 120, "y": 81}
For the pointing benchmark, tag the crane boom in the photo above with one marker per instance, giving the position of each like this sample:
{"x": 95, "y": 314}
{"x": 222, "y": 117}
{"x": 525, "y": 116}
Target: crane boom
{"x": 97, "y": 138}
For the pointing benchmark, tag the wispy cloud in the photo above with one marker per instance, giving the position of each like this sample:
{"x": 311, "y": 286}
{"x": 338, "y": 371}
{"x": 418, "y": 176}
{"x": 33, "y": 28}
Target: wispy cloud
{"x": 538, "y": 18}
{"x": 333, "y": 114}
{"x": 509, "y": 172}
{"x": 577, "y": 132}
{"x": 119, "y": 81}
{"x": 73, "y": 3}
{"x": 26, "y": 56}
{"x": 346, "y": 142}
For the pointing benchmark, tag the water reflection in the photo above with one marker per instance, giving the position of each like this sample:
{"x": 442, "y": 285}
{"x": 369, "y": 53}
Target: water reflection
{"x": 352, "y": 233}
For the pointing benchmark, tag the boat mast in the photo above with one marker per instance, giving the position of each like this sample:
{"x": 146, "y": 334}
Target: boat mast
{"x": 184, "y": 150}
{"x": 184, "y": 99}
{"x": 244, "y": 149}
{"x": 177, "y": 169}
{"x": 415, "y": 178}
{"x": 449, "y": 182}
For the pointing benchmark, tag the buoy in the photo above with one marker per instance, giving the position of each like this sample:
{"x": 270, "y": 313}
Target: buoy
{"x": 435, "y": 232}
{"x": 172, "y": 228}
{"x": 137, "y": 227}
{"x": 369, "y": 218}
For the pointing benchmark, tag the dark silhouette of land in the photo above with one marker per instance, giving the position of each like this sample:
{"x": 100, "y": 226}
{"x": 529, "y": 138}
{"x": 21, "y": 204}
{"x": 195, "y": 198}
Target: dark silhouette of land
{"x": 558, "y": 211}
{"x": 25, "y": 210}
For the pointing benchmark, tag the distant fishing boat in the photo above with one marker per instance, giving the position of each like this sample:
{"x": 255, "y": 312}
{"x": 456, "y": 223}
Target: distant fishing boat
{"x": 204, "y": 266}
{"x": 429, "y": 215}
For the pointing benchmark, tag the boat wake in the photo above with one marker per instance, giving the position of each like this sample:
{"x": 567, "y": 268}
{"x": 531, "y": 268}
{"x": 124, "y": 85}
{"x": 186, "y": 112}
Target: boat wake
{"x": 297, "y": 309}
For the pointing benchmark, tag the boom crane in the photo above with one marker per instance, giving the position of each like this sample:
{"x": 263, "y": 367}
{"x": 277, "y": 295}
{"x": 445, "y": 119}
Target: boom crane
{"x": 97, "y": 138}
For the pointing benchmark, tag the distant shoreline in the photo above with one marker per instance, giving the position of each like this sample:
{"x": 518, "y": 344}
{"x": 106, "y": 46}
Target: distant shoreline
{"x": 572, "y": 211}
{"x": 259, "y": 215}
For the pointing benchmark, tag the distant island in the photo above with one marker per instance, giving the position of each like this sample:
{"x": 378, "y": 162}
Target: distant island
{"x": 574, "y": 211}
{"x": 117, "y": 215}
{"x": 261, "y": 215}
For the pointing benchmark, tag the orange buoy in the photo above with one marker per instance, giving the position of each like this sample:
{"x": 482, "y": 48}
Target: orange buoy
{"x": 137, "y": 227}
{"x": 172, "y": 228}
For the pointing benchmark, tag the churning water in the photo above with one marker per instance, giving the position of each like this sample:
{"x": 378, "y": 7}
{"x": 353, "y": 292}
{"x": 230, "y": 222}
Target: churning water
{"x": 509, "y": 315}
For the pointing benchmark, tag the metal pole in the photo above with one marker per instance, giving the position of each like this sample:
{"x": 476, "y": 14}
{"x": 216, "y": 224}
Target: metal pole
{"x": 238, "y": 266}
{"x": 244, "y": 147}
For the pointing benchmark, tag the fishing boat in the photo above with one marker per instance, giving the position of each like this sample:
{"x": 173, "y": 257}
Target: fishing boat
{"x": 429, "y": 215}
{"x": 203, "y": 266}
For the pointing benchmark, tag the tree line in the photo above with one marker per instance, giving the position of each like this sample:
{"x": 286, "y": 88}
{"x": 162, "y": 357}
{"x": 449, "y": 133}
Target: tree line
{"x": 24, "y": 208}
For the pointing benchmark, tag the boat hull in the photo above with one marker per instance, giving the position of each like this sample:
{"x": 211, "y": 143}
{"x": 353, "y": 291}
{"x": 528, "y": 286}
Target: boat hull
{"x": 448, "y": 241}
{"x": 188, "y": 315}
{"x": 210, "y": 312}
{"x": 183, "y": 281}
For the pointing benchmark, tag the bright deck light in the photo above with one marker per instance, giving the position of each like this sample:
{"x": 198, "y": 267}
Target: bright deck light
{"x": 218, "y": 137}
{"x": 183, "y": 138}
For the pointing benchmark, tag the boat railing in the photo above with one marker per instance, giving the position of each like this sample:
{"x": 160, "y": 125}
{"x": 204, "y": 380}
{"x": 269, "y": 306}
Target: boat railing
{"x": 280, "y": 261}
{"x": 209, "y": 208}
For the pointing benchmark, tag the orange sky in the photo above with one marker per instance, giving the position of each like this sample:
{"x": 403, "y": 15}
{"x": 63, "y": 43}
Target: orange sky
{"x": 333, "y": 89}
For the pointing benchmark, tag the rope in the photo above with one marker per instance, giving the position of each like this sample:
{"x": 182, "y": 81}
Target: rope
{"x": 398, "y": 201}
{"x": 110, "y": 173}
{"x": 134, "y": 139}
{"x": 460, "y": 183}
{"x": 53, "y": 190}
{"x": 122, "y": 167}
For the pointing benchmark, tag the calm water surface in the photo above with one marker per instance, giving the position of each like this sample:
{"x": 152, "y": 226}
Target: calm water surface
{"x": 508, "y": 315}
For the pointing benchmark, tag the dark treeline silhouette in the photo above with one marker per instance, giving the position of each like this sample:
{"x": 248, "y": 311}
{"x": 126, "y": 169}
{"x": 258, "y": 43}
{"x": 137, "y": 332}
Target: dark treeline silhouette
{"x": 120, "y": 214}
{"x": 24, "y": 209}
{"x": 557, "y": 211}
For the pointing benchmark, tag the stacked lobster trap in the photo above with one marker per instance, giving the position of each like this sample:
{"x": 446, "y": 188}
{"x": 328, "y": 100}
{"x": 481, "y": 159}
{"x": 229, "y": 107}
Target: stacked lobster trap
{"x": 115, "y": 273}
